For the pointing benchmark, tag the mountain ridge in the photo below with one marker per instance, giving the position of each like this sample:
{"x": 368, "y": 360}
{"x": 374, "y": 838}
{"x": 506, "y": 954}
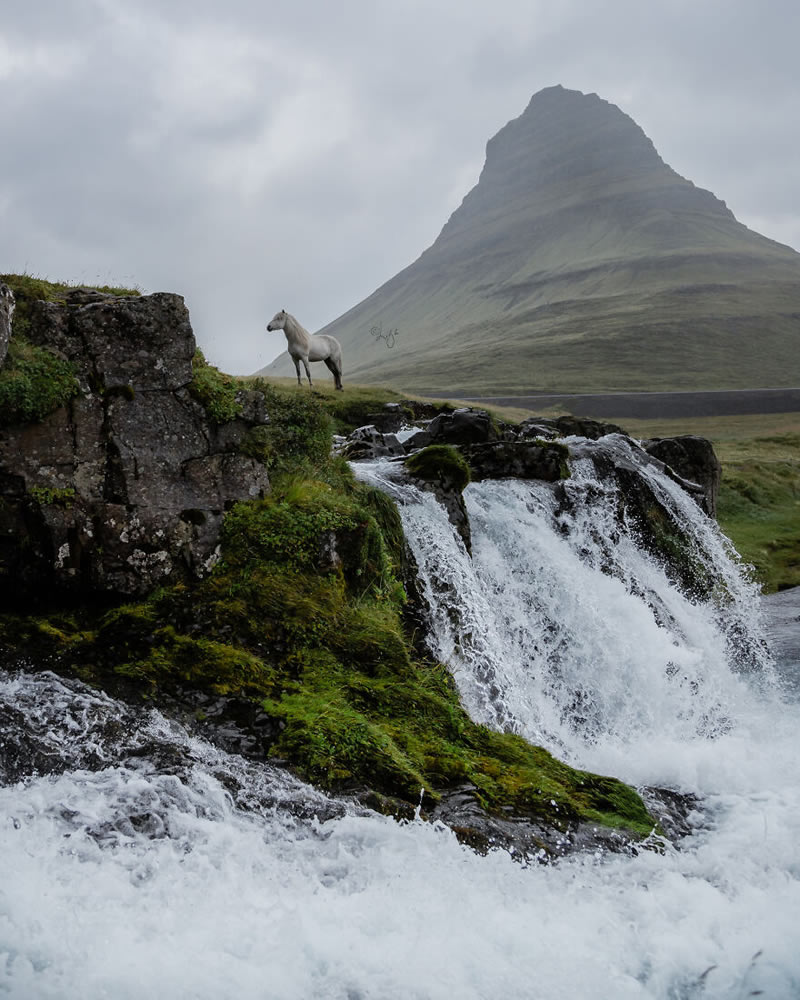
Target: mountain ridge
{"x": 581, "y": 261}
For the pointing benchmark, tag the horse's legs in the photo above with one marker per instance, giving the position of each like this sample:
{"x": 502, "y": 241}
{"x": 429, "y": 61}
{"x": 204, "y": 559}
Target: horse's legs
{"x": 336, "y": 370}
{"x": 297, "y": 369}
{"x": 308, "y": 373}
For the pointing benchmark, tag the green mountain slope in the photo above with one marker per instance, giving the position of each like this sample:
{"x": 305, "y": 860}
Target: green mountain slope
{"x": 582, "y": 262}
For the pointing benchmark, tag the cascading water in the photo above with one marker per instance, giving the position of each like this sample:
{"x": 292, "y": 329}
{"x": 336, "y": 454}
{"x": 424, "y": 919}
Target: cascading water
{"x": 564, "y": 628}
{"x": 136, "y": 860}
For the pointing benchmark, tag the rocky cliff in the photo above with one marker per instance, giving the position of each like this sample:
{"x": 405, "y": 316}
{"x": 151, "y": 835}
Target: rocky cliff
{"x": 179, "y": 543}
{"x": 581, "y": 262}
{"x": 125, "y": 484}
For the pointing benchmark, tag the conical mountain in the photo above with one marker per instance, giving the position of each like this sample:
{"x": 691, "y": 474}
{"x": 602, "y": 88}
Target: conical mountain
{"x": 582, "y": 262}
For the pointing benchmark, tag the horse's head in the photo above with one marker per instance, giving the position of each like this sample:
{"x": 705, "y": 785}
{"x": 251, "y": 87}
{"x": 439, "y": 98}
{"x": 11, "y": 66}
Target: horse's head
{"x": 278, "y": 320}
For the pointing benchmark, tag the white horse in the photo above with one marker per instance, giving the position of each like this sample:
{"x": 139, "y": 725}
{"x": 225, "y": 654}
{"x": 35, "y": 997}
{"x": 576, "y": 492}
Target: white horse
{"x": 305, "y": 347}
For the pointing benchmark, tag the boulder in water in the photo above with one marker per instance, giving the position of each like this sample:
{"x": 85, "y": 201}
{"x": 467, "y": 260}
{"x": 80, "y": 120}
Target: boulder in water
{"x": 692, "y": 458}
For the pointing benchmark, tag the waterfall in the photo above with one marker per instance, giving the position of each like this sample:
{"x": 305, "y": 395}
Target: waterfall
{"x": 563, "y": 627}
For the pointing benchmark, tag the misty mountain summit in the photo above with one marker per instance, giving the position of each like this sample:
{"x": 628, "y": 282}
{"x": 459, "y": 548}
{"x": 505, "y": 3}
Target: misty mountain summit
{"x": 582, "y": 262}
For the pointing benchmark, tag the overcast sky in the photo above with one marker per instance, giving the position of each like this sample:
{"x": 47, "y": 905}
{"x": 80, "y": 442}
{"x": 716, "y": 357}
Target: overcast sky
{"x": 254, "y": 155}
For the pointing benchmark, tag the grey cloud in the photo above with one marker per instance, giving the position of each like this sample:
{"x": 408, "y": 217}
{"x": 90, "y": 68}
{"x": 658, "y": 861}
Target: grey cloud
{"x": 254, "y": 156}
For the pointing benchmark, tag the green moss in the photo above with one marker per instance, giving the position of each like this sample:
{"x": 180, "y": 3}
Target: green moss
{"x": 215, "y": 391}
{"x": 33, "y": 383}
{"x": 298, "y": 436}
{"x": 45, "y": 496}
{"x": 439, "y": 462}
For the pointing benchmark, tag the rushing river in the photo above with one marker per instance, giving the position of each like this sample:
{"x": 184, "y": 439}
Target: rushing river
{"x": 140, "y": 862}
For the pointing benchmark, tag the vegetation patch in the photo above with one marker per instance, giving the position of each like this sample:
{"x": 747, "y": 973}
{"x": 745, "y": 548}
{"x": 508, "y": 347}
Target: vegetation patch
{"x": 215, "y": 391}
{"x": 759, "y": 508}
{"x": 33, "y": 383}
{"x": 298, "y": 435}
{"x": 46, "y": 496}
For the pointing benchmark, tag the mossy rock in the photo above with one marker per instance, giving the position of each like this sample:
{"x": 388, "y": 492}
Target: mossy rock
{"x": 440, "y": 463}
{"x": 34, "y": 382}
{"x": 324, "y": 654}
{"x": 298, "y": 436}
{"x": 28, "y": 289}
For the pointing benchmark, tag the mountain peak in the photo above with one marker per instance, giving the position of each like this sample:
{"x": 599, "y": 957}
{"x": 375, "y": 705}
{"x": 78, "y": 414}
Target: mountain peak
{"x": 581, "y": 262}
{"x": 569, "y": 149}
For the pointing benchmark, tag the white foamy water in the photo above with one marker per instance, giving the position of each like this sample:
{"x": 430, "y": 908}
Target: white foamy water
{"x": 210, "y": 878}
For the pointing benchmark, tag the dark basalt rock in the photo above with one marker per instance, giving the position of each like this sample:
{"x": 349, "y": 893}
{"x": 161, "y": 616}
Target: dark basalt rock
{"x": 565, "y": 426}
{"x": 369, "y": 442}
{"x": 517, "y": 460}
{"x": 691, "y": 458}
{"x": 126, "y": 486}
{"x": 523, "y": 837}
{"x": 390, "y": 419}
{"x": 464, "y": 426}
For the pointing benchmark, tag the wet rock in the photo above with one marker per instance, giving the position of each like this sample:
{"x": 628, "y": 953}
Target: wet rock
{"x": 464, "y": 426}
{"x": 523, "y": 837}
{"x": 390, "y": 419}
{"x": 442, "y": 470}
{"x": 691, "y": 458}
{"x": 419, "y": 440}
{"x": 368, "y": 442}
{"x": 517, "y": 460}
{"x": 566, "y": 426}
{"x": 678, "y": 813}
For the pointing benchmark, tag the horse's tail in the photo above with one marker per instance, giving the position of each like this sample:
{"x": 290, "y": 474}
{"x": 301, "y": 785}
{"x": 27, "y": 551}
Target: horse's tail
{"x": 336, "y": 354}
{"x": 336, "y": 361}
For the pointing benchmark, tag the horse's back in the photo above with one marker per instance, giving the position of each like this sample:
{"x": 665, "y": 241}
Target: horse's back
{"x": 324, "y": 346}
